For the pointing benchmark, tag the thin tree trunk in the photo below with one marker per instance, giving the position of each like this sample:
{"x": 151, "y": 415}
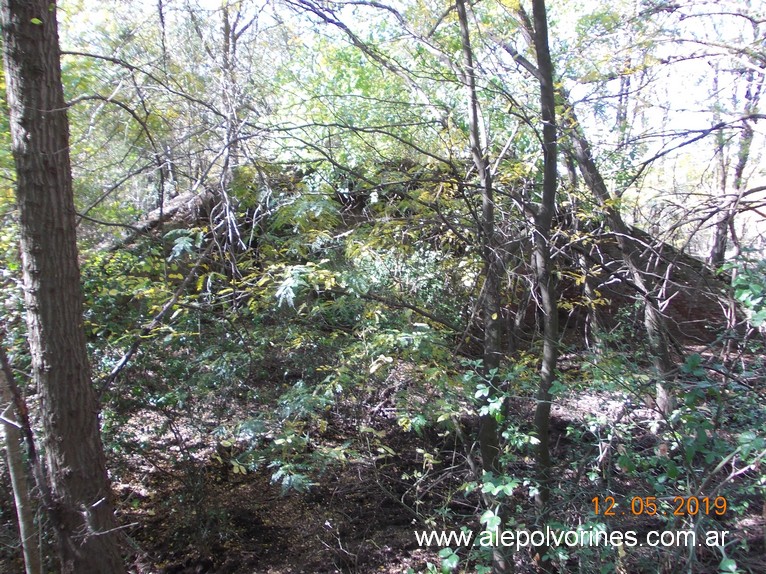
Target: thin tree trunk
{"x": 82, "y": 510}
{"x": 654, "y": 321}
{"x": 25, "y": 508}
{"x": 546, "y": 284}
{"x": 580, "y": 150}
{"x": 492, "y": 265}
{"x": 729, "y": 203}
{"x": 593, "y": 328}
{"x": 229, "y": 96}
{"x": 489, "y": 440}
{"x": 721, "y": 229}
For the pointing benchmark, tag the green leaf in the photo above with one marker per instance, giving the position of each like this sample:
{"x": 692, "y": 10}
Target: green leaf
{"x": 692, "y": 365}
{"x": 449, "y": 564}
{"x": 36, "y": 21}
{"x": 749, "y": 441}
{"x": 450, "y": 560}
{"x": 490, "y": 519}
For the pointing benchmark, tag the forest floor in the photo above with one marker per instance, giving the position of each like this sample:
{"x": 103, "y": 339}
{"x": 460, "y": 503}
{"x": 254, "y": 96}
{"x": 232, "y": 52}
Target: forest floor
{"x": 189, "y": 508}
{"x": 360, "y": 515}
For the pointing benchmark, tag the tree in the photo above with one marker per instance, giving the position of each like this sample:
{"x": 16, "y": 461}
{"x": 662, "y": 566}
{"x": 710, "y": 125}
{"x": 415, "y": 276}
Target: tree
{"x": 544, "y": 275}
{"x": 580, "y": 150}
{"x": 730, "y": 202}
{"x": 80, "y": 504}
{"x": 488, "y": 433}
{"x": 407, "y": 254}
{"x": 13, "y": 438}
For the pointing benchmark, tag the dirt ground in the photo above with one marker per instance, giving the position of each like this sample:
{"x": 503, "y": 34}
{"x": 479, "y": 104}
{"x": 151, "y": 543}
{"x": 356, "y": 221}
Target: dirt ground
{"x": 187, "y": 508}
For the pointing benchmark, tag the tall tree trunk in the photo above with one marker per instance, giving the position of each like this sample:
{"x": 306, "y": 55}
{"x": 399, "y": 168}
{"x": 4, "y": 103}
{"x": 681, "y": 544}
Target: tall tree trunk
{"x": 82, "y": 511}
{"x": 488, "y": 436}
{"x": 229, "y": 95}
{"x": 489, "y": 440}
{"x": 729, "y": 203}
{"x": 593, "y": 328}
{"x": 721, "y": 230}
{"x": 579, "y": 148}
{"x": 546, "y": 284}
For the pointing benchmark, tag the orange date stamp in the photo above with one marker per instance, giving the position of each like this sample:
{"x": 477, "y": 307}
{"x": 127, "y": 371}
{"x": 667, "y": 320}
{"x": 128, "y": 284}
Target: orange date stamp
{"x": 651, "y": 506}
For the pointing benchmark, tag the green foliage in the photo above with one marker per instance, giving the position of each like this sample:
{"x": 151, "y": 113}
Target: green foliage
{"x": 7, "y": 167}
{"x": 362, "y": 271}
{"x": 121, "y": 290}
{"x": 749, "y": 285}
{"x": 185, "y": 242}
{"x": 450, "y": 560}
{"x": 307, "y": 220}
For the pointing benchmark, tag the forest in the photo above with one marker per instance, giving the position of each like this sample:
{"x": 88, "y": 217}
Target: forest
{"x": 383, "y": 286}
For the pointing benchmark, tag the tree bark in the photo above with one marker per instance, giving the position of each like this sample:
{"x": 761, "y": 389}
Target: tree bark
{"x": 25, "y": 508}
{"x": 729, "y": 203}
{"x": 489, "y": 439}
{"x": 82, "y": 511}
{"x": 546, "y": 284}
{"x": 580, "y": 150}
